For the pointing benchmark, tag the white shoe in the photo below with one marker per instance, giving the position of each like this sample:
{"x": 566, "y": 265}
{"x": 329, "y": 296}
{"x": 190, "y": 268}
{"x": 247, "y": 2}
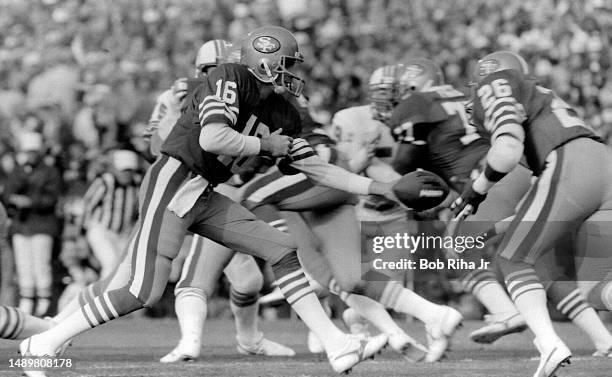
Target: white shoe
{"x": 61, "y": 350}
{"x": 553, "y": 356}
{"x": 440, "y": 331}
{"x": 314, "y": 343}
{"x": 497, "y": 326}
{"x": 182, "y": 352}
{"x": 355, "y": 350}
{"x": 25, "y": 350}
{"x": 603, "y": 353}
{"x": 264, "y": 347}
{"x": 409, "y": 348}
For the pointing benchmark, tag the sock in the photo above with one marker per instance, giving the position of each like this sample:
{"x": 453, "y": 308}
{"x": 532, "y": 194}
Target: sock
{"x": 403, "y": 300}
{"x": 56, "y": 336}
{"x": 26, "y": 305}
{"x": 11, "y": 322}
{"x": 298, "y": 293}
{"x": 574, "y": 307}
{"x": 191, "y": 309}
{"x": 71, "y": 307}
{"x": 245, "y": 309}
{"x": 485, "y": 287}
{"x": 42, "y": 306}
{"x": 373, "y": 312}
{"x": 529, "y": 297}
{"x": 600, "y": 297}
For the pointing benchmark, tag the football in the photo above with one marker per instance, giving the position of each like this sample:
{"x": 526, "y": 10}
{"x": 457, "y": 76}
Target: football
{"x": 421, "y": 190}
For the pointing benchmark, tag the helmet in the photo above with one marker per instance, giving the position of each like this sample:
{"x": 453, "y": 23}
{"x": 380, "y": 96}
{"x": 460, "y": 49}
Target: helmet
{"x": 384, "y": 91}
{"x": 269, "y": 52}
{"x": 419, "y": 74}
{"x": 499, "y": 61}
{"x": 211, "y": 54}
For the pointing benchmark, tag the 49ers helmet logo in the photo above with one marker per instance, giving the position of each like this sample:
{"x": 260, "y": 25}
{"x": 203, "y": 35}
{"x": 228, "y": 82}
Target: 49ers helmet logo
{"x": 486, "y": 67}
{"x": 266, "y": 44}
{"x": 413, "y": 70}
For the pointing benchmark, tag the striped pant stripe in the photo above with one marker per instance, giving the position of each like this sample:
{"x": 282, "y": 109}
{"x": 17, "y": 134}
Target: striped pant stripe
{"x": 161, "y": 188}
{"x": 189, "y": 267}
{"x": 522, "y": 241}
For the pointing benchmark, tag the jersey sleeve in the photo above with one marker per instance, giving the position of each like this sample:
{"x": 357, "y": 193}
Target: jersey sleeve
{"x": 303, "y": 158}
{"x": 220, "y": 97}
{"x": 502, "y": 103}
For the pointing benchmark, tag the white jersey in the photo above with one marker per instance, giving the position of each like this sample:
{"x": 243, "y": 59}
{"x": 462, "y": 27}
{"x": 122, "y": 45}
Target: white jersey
{"x": 165, "y": 109}
{"x": 355, "y": 131}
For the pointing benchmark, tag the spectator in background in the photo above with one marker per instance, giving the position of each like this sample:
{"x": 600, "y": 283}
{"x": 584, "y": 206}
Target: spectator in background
{"x": 32, "y": 192}
{"x": 7, "y": 264}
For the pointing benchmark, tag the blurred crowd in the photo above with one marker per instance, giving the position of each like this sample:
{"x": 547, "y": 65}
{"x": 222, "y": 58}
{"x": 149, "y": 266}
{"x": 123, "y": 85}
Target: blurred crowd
{"x": 84, "y": 74}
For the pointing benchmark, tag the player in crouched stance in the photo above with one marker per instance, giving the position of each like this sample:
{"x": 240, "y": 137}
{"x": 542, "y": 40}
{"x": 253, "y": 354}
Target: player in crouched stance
{"x": 526, "y": 119}
{"x": 233, "y": 116}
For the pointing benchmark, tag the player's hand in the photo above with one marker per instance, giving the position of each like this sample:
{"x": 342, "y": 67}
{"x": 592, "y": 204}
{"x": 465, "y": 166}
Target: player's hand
{"x": 179, "y": 90}
{"x": 467, "y": 203}
{"x": 383, "y": 189}
{"x": 276, "y": 145}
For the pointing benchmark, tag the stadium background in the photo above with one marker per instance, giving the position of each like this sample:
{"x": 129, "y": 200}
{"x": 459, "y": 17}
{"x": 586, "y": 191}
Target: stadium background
{"x": 86, "y": 73}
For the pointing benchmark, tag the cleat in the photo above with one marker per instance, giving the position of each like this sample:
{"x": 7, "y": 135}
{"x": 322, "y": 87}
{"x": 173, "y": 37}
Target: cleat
{"x": 355, "y": 350}
{"x": 372, "y": 345}
{"x": 314, "y": 343}
{"x": 182, "y": 353}
{"x": 410, "y": 349}
{"x": 552, "y": 357}
{"x": 440, "y": 332}
{"x": 499, "y": 325}
{"x": 25, "y": 350}
{"x": 603, "y": 353}
{"x": 264, "y": 347}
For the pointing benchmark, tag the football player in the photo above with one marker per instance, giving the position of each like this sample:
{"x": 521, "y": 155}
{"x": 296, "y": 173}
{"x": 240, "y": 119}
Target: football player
{"x": 528, "y": 120}
{"x": 233, "y": 116}
{"x": 205, "y": 261}
{"x": 451, "y": 147}
{"x": 314, "y": 215}
{"x": 430, "y": 121}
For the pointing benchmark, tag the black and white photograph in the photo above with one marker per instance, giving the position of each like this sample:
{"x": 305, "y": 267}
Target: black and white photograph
{"x": 306, "y": 188}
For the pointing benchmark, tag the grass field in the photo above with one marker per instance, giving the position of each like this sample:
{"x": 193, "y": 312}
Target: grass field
{"x": 131, "y": 347}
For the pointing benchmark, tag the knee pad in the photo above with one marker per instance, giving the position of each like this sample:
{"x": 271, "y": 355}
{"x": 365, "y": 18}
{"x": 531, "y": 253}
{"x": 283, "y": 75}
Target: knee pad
{"x": 244, "y": 275}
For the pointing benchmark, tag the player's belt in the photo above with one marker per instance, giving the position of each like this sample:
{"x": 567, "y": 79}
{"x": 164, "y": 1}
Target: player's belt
{"x": 187, "y": 196}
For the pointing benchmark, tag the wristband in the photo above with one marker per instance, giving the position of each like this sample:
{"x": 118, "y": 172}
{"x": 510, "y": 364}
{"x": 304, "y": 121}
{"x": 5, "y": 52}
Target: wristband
{"x": 493, "y": 175}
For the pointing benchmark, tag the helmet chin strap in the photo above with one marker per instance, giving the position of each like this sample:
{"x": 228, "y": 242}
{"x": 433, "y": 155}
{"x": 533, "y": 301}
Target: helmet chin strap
{"x": 278, "y": 89}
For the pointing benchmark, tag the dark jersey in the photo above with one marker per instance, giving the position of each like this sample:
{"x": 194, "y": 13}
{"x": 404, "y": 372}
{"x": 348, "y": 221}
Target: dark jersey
{"x": 437, "y": 121}
{"x": 506, "y": 101}
{"x": 228, "y": 95}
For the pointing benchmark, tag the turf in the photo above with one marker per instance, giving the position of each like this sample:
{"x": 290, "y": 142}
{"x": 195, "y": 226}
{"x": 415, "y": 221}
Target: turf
{"x": 131, "y": 347}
